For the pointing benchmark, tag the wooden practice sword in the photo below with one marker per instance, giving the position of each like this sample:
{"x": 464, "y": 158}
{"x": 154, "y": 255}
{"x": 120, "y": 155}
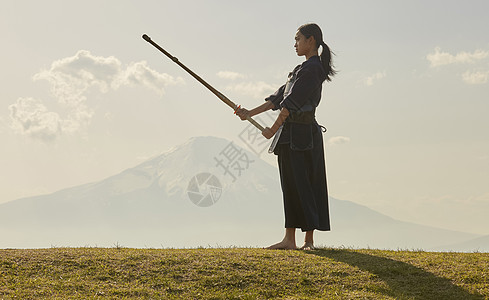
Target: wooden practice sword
{"x": 210, "y": 87}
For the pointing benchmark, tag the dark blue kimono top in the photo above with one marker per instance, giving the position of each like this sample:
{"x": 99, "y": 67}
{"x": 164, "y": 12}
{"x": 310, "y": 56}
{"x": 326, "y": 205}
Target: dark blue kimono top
{"x": 301, "y": 93}
{"x": 303, "y": 88}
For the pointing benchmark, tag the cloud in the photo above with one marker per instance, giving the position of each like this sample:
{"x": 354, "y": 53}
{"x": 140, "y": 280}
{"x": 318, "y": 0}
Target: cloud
{"x": 483, "y": 158}
{"x": 478, "y": 75}
{"x": 479, "y": 199}
{"x": 338, "y": 140}
{"x": 439, "y": 58}
{"x": 30, "y": 117}
{"x": 257, "y": 90}
{"x": 70, "y": 79}
{"x": 475, "y": 77}
{"x": 253, "y": 89}
{"x": 140, "y": 74}
{"x": 369, "y": 81}
{"x": 230, "y": 75}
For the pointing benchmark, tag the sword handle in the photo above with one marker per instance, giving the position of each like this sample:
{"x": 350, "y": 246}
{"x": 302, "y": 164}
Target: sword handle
{"x": 255, "y": 123}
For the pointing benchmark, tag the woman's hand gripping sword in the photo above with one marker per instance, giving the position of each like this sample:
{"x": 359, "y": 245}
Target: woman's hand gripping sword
{"x": 268, "y": 132}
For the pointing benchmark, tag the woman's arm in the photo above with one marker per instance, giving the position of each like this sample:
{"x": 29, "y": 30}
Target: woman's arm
{"x": 284, "y": 113}
{"x": 262, "y": 108}
{"x": 243, "y": 113}
{"x": 269, "y": 132}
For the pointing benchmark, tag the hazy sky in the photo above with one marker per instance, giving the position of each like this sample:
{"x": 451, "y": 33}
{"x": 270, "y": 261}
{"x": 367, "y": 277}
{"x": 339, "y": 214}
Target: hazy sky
{"x": 84, "y": 97}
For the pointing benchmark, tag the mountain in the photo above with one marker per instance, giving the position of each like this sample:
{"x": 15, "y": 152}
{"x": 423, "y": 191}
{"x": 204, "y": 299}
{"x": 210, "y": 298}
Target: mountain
{"x": 149, "y": 205}
{"x": 361, "y": 226}
{"x": 480, "y": 244}
{"x": 205, "y": 192}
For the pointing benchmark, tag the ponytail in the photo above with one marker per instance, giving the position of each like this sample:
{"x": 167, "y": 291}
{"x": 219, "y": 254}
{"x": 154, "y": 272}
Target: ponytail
{"x": 309, "y": 30}
{"x": 327, "y": 62}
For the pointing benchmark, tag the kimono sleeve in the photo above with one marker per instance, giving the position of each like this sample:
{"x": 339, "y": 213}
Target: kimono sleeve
{"x": 276, "y": 97}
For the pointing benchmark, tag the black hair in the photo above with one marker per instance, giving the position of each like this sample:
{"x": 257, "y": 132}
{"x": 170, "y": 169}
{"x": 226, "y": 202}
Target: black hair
{"x": 312, "y": 29}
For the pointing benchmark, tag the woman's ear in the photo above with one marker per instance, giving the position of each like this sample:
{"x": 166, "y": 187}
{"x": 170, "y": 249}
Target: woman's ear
{"x": 312, "y": 41}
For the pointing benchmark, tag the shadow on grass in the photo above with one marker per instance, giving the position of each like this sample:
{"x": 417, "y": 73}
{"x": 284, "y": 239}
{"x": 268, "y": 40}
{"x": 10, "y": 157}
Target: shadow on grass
{"x": 404, "y": 280}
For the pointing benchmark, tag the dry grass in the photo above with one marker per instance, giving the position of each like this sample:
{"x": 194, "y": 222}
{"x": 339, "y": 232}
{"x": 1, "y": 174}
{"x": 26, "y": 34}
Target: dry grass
{"x": 122, "y": 273}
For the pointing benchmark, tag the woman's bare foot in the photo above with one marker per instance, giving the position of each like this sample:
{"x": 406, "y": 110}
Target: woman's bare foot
{"x": 307, "y": 246}
{"x": 287, "y": 243}
{"x": 283, "y": 245}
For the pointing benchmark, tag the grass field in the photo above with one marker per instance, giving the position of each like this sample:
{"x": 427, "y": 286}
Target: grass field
{"x": 237, "y": 273}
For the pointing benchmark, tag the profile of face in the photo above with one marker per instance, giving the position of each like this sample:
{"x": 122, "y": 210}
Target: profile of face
{"x": 304, "y": 45}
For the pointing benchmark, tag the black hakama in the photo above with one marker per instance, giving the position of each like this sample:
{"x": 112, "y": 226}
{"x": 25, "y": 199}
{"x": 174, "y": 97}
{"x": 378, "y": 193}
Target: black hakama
{"x": 304, "y": 188}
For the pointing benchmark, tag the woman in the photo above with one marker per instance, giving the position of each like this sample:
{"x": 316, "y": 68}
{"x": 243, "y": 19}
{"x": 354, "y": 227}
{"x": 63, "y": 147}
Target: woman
{"x": 299, "y": 147}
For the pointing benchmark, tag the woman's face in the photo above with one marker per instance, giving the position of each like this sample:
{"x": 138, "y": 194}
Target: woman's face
{"x": 302, "y": 44}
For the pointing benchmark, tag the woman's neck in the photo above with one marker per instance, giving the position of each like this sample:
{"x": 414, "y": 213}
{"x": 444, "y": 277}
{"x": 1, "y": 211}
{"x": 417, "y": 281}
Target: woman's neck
{"x": 311, "y": 53}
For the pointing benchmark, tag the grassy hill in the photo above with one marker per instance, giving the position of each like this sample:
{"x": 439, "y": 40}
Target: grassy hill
{"x": 236, "y": 273}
